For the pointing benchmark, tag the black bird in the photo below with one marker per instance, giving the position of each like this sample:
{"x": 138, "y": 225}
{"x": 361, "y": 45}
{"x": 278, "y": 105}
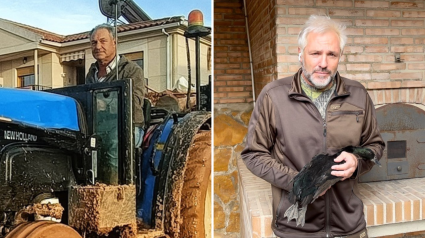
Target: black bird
{"x": 315, "y": 178}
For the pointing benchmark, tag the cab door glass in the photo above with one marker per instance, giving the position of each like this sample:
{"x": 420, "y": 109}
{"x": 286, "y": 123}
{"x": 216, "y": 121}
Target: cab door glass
{"x": 106, "y": 127}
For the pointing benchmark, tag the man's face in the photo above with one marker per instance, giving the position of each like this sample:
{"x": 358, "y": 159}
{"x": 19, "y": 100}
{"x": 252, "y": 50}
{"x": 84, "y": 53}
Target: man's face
{"x": 103, "y": 46}
{"x": 320, "y": 58}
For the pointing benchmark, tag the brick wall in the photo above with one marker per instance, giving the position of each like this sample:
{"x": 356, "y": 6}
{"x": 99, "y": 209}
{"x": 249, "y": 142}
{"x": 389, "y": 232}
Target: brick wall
{"x": 377, "y": 30}
{"x": 232, "y": 72}
{"x": 262, "y": 34}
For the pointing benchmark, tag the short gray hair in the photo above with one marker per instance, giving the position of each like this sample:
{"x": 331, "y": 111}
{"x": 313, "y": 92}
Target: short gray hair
{"x": 321, "y": 24}
{"x": 108, "y": 27}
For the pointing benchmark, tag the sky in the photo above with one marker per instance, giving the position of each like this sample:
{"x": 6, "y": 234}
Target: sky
{"x": 66, "y": 17}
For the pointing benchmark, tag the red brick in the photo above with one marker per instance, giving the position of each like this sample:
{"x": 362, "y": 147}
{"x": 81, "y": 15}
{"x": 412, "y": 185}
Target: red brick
{"x": 306, "y": 11}
{"x": 291, "y": 21}
{"x": 404, "y": 23}
{"x": 294, "y": 30}
{"x": 238, "y": 71}
{"x": 292, "y": 50}
{"x": 413, "y": 84}
{"x": 240, "y": 60}
{"x": 419, "y": 95}
{"x": 380, "y": 76}
{"x": 223, "y": 10}
{"x": 365, "y": 76}
{"x": 240, "y": 94}
{"x": 371, "y": 4}
{"x": 367, "y": 22}
{"x": 227, "y": 66}
{"x": 364, "y": 58}
{"x": 406, "y": 58}
{"x": 353, "y": 49}
{"x": 295, "y": 2}
{"x": 229, "y": 100}
{"x": 416, "y": 66}
{"x": 358, "y": 67}
{"x": 387, "y": 67}
{"x": 335, "y": 3}
{"x": 232, "y": 89}
{"x": 221, "y": 60}
{"x": 219, "y": 83}
{"x": 401, "y": 41}
{"x": 345, "y": 22}
{"x": 400, "y": 4}
{"x": 294, "y": 67}
{"x": 218, "y": 4}
{"x": 420, "y": 41}
{"x": 376, "y": 49}
{"x": 233, "y": 42}
{"x": 346, "y": 13}
{"x": 383, "y": 31}
{"x": 233, "y": 17}
{"x": 383, "y": 85}
{"x": 388, "y": 99}
{"x": 228, "y": 77}
{"x": 415, "y": 14}
{"x": 377, "y": 13}
{"x": 354, "y": 31}
{"x": 413, "y": 32}
{"x": 229, "y": 29}
{"x": 410, "y": 76}
{"x": 407, "y": 49}
{"x": 287, "y": 40}
{"x": 370, "y": 40}
{"x": 287, "y": 58}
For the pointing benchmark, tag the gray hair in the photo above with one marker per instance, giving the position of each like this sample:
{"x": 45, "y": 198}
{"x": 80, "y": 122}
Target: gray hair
{"x": 321, "y": 24}
{"x": 108, "y": 27}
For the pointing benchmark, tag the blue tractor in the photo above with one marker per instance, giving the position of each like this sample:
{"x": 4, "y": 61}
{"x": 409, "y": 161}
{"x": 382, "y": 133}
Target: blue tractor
{"x": 69, "y": 166}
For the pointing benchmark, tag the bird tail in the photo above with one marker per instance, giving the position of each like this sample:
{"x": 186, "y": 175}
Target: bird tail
{"x": 292, "y": 212}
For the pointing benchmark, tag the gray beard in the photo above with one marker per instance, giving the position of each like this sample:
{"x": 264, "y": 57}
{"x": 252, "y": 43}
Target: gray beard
{"x": 307, "y": 76}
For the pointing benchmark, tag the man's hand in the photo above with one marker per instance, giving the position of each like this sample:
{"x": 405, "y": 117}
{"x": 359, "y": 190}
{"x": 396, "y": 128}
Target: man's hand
{"x": 346, "y": 169}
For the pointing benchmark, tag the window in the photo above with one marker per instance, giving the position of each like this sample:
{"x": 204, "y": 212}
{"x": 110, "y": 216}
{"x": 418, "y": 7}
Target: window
{"x": 136, "y": 57}
{"x": 26, "y": 77}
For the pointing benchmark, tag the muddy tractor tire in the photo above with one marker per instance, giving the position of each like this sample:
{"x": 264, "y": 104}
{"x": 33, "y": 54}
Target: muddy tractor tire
{"x": 196, "y": 193}
{"x": 184, "y": 209}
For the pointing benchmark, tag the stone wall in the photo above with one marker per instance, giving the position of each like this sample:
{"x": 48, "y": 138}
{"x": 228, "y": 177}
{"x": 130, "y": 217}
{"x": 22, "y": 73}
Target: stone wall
{"x": 230, "y": 128}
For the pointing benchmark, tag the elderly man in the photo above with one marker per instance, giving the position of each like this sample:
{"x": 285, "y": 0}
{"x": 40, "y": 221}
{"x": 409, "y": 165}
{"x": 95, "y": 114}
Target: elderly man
{"x": 315, "y": 111}
{"x": 103, "y": 45}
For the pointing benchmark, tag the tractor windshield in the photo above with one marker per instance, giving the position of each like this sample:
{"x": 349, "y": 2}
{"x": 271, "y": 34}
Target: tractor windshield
{"x": 39, "y": 109}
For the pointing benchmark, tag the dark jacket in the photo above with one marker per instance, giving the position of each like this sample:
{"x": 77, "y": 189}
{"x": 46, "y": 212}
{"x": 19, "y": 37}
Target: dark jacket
{"x": 127, "y": 69}
{"x": 286, "y": 131}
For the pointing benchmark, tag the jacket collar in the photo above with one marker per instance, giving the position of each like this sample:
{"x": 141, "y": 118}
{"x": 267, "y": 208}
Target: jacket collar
{"x": 341, "y": 89}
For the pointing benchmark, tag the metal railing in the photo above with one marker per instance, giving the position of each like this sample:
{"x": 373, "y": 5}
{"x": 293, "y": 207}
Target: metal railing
{"x": 35, "y": 87}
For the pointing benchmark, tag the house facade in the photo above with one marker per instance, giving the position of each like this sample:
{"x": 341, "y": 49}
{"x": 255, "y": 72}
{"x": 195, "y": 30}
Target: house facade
{"x": 37, "y": 59}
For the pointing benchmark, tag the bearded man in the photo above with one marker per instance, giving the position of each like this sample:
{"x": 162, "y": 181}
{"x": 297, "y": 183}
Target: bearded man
{"x": 315, "y": 111}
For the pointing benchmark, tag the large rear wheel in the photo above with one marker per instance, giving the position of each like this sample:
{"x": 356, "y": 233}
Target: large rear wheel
{"x": 43, "y": 229}
{"x": 196, "y": 193}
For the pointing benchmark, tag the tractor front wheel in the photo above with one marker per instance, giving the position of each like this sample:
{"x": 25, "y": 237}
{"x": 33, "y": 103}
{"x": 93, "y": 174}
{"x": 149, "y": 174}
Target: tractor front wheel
{"x": 43, "y": 229}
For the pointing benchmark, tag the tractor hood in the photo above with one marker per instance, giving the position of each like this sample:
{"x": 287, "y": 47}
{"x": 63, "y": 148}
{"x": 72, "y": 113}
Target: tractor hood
{"x": 35, "y": 116}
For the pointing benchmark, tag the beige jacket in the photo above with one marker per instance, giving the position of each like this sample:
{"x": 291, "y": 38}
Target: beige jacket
{"x": 286, "y": 131}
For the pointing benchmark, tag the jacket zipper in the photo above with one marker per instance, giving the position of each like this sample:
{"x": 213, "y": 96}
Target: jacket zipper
{"x": 327, "y": 205}
{"x": 357, "y": 113}
{"x": 327, "y": 199}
